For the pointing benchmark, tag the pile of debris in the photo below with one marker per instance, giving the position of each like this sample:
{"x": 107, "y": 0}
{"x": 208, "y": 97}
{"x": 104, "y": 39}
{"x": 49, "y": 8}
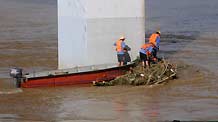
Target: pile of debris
{"x": 157, "y": 73}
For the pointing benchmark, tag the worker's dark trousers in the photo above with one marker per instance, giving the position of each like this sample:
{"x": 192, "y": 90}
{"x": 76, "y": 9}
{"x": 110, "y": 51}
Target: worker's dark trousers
{"x": 154, "y": 52}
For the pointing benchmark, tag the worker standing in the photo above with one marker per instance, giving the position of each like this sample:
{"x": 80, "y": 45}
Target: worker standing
{"x": 145, "y": 54}
{"x": 155, "y": 40}
{"x": 120, "y": 45}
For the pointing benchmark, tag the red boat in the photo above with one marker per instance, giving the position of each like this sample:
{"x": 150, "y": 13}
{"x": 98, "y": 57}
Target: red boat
{"x": 73, "y": 76}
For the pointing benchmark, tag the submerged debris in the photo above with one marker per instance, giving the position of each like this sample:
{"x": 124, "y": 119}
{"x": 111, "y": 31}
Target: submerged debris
{"x": 157, "y": 73}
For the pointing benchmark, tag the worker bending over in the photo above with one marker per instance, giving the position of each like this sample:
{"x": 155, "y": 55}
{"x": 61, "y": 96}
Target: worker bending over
{"x": 127, "y": 57}
{"x": 120, "y": 45}
{"x": 155, "y": 40}
{"x": 145, "y": 54}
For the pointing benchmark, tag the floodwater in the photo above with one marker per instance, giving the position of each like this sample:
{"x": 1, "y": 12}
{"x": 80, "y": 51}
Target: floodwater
{"x": 28, "y": 39}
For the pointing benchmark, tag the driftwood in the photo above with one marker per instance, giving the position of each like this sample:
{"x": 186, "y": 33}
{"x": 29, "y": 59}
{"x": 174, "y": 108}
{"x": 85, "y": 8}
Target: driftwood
{"x": 157, "y": 73}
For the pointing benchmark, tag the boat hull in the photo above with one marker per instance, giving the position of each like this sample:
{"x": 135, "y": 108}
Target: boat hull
{"x": 76, "y": 78}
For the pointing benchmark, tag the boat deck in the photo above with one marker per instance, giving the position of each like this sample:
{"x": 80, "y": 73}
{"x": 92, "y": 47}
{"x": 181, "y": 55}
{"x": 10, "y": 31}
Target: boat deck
{"x": 71, "y": 70}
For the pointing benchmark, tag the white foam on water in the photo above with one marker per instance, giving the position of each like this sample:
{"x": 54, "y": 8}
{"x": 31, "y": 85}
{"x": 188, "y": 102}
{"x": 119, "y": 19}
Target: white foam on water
{"x": 9, "y": 117}
{"x": 11, "y": 91}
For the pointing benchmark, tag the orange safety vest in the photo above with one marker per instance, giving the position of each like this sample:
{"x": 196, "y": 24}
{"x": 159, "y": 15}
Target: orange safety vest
{"x": 153, "y": 38}
{"x": 145, "y": 46}
{"x": 119, "y": 46}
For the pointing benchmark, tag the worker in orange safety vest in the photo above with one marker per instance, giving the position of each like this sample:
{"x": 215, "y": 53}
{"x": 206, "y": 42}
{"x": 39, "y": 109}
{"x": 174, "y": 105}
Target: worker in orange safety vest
{"x": 155, "y": 40}
{"x": 120, "y": 45}
{"x": 145, "y": 54}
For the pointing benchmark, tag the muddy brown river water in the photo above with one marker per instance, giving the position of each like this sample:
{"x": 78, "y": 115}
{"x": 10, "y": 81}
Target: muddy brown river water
{"x": 28, "y": 39}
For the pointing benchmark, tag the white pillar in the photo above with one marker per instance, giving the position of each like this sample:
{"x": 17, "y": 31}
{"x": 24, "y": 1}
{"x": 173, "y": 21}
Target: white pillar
{"x": 87, "y": 30}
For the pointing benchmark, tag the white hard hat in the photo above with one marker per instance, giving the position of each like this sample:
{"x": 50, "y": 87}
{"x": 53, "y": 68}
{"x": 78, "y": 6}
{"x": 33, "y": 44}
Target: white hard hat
{"x": 122, "y": 38}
